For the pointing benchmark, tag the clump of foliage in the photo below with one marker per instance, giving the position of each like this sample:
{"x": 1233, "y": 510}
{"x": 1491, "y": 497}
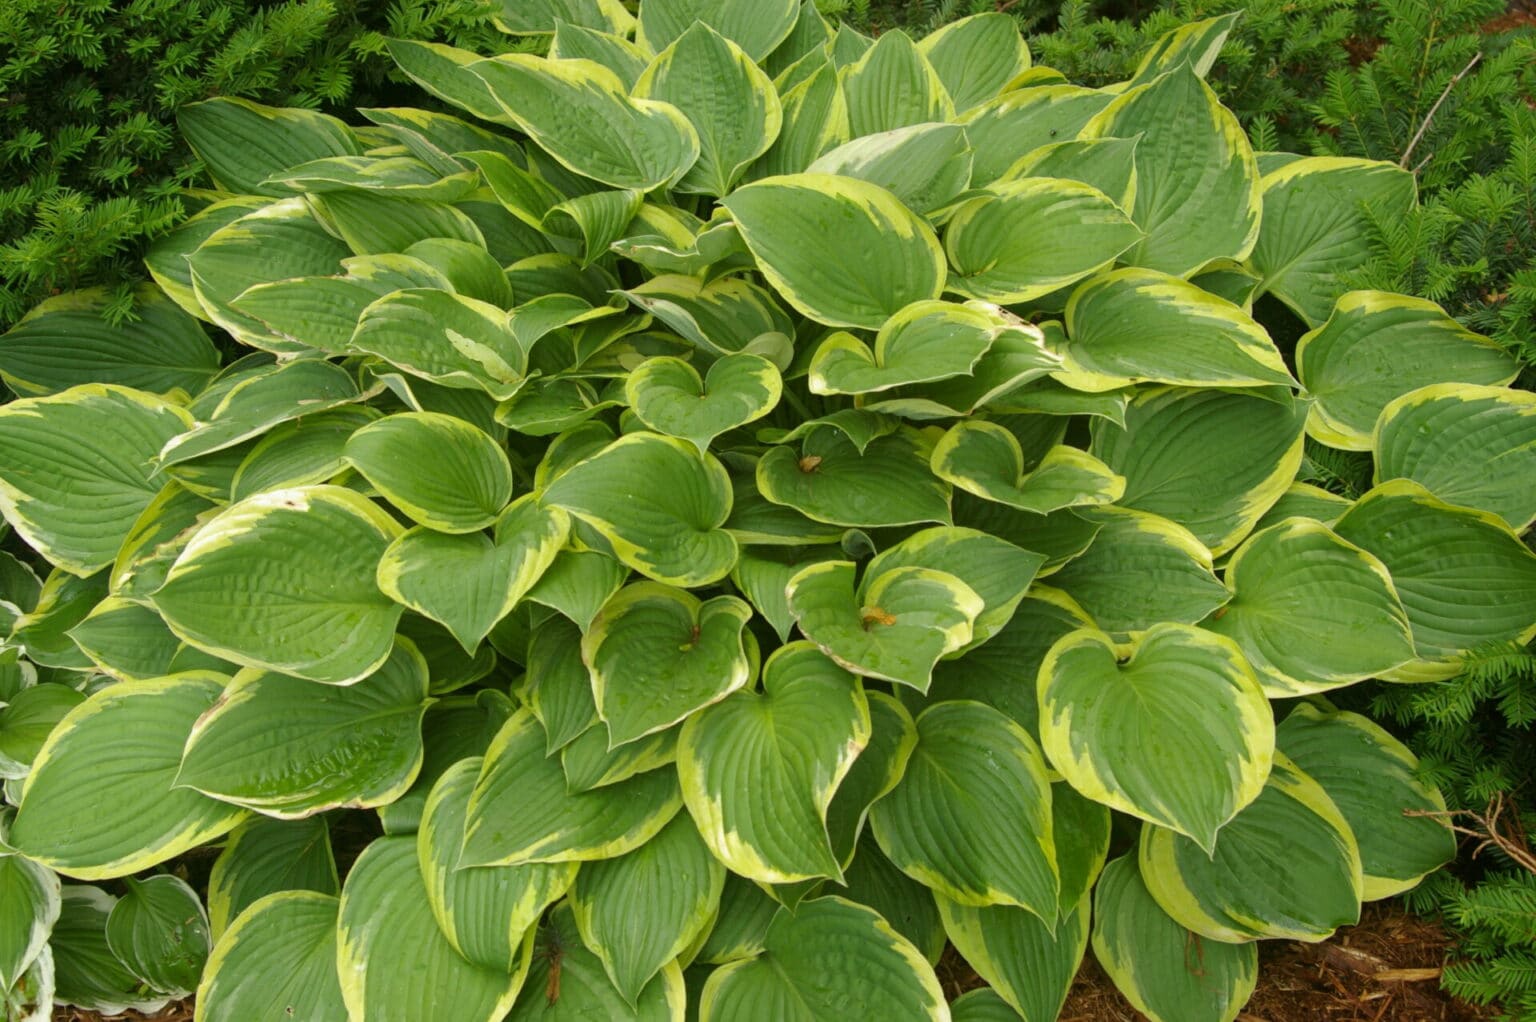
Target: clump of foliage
{"x": 704, "y": 525}
{"x": 91, "y": 161}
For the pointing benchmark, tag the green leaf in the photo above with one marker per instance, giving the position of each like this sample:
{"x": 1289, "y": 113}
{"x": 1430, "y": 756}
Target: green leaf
{"x": 1212, "y": 461}
{"x": 1197, "y": 196}
{"x": 26, "y": 721}
{"x": 727, "y": 98}
{"x": 1141, "y": 569}
{"x": 454, "y": 728}
{"x": 1463, "y": 576}
{"x": 887, "y": 258}
{"x": 29, "y": 907}
{"x": 302, "y": 452}
{"x": 1118, "y": 731}
{"x": 520, "y": 810}
{"x": 1287, "y": 866}
{"x": 486, "y": 911}
{"x": 1004, "y": 129}
{"x": 1311, "y": 611}
{"x": 63, "y": 602}
{"x": 668, "y": 395}
{"x": 1316, "y": 229}
{"x": 1108, "y": 164}
{"x": 924, "y": 165}
{"x": 545, "y": 16}
{"x": 984, "y": 458}
{"x": 288, "y": 747}
{"x": 923, "y": 342}
{"x": 444, "y": 71}
{"x": 158, "y": 929}
{"x": 895, "y": 626}
{"x": 100, "y": 800}
{"x": 971, "y": 818}
{"x": 976, "y": 57}
{"x": 741, "y": 923}
{"x": 1197, "y": 43}
{"x": 265, "y": 856}
{"x": 470, "y": 582}
{"x": 278, "y": 957}
{"x": 445, "y": 338}
{"x": 756, "y": 28}
{"x": 244, "y": 143}
{"x": 1029, "y": 963}
{"x": 285, "y": 581}
{"x": 558, "y": 689}
{"x": 1445, "y": 437}
{"x": 616, "y": 53}
{"x": 1029, "y": 238}
{"x": 832, "y": 480}
{"x": 827, "y": 955}
{"x": 86, "y": 972}
{"x": 1165, "y": 971}
{"x": 894, "y": 86}
{"x": 1377, "y": 347}
{"x": 386, "y": 919}
{"x": 639, "y": 911}
{"x": 719, "y": 316}
{"x": 568, "y": 982}
{"x": 874, "y": 882}
{"x": 580, "y": 113}
{"x": 759, "y": 771}
{"x": 77, "y": 468}
{"x": 397, "y": 176}
{"x": 670, "y": 531}
{"x": 815, "y": 120}
{"x": 1374, "y": 781}
{"x": 658, "y": 654}
{"x": 578, "y": 583}
{"x": 1140, "y": 326}
{"x": 65, "y": 341}
{"x": 372, "y": 223}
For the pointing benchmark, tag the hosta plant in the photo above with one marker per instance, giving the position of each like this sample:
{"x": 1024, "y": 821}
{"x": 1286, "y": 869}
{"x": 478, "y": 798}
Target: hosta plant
{"x": 739, "y": 508}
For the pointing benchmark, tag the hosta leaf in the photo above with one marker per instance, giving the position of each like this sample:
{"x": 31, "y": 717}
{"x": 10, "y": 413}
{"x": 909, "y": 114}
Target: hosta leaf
{"x": 265, "y": 856}
{"x": 1444, "y": 437}
{"x": 589, "y": 763}
{"x": 1016, "y": 123}
{"x": 1316, "y": 227}
{"x": 99, "y": 801}
{"x": 486, "y": 911}
{"x": 795, "y": 741}
{"x": 924, "y": 341}
{"x": 1286, "y": 866}
{"x": 243, "y": 143}
{"x": 886, "y": 483}
{"x": 444, "y": 72}
{"x": 1374, "y": 781}
{"x": 568, "y": 982}
{"x": 657, "y": 654}
{"x": 1303, "y": 500}
{"x": 1082, "y": 831}
{"x": 827, "y": 955}
{"x": 1139, "y": 326}
{"x": 66, "y": 341}
{"x": 893, "y": 86}
{"x": 1376, "y": 347}
{"x": 924, "y": 165}
{"x": 454, "y": 728}
{"x": 895, "y": 626}
{"x": 372, "y": 223}
{"x": 546, "y": 16}
{"x": 668, "y": 395}
{"x": 976, "y": 57}
{"x": 386, "y": 919}
{"x": 29, "y": 906}
{"x": 160, "y": 931}
{"x": 1116, "y": 731}
{"x": 669, "y": 531}
{"x": 439, "y": 470}
{"x": 639, "y": 911}
{"x": 126, "y": 640}
{"x": 1140, "y": 569}
{"x": 1197, "y": 43}
{"x": 745, "y": 913}
{"x": 288, "y": 747}
{"x": 302, "y": 452}
{"x": 874, "y": 882}
{"x": 1197, "y": 191}
{"x": 166, "y": 257}
{"x": 63, "y": 603}
{"x": 1031, "y": 237}
{"x": 887, "y": 258}
{"x": 578, "y": 583}
{"x": 86, "y": 972}
{"x": 520, "y": 810}
{"x": 718, "y": 316}
{"x": 1165, "y": 971}
{"x": 1029, "y": 964}
{"x": 77, "y": 468}
{"x": 470, "y": 582}
{"x": 727, "y": 98}
{"x": 757, "y": 28}
{"x": 1108, "y": 164}
{"x": 580, "y": 113}
{"x": 445, "y": 338}
{"x": 1312, "y": 611}
{"x": 616, "y": 53}
{"x": 815, "y": 120}
{"x": 278, "y": 957}
{"x": 984, "y": 458}
{"x": 27, "y": 720}
{"x": 971, "y": 817}
{"x": 305, "y": 602}
{"x": 558, "y": 688}
{"x": 1462, "y": 575}
{"x": 1212, "y": 461}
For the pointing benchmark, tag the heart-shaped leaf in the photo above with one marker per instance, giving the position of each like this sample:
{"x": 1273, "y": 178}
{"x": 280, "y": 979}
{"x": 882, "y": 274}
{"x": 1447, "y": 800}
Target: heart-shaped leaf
{"x": 924, "y": 341}
{"x": 833, "y": 481}
{"x": 441, "y": 471}
{"x": 668, "y": 396}
{"x": 796, "y": 740}
{"x": 984, "y": 458}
